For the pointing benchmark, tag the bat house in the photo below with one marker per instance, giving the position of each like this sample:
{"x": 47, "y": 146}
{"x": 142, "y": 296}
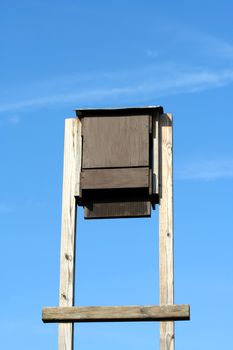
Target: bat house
{"x": 117, "y": 163}
{"x": 120, "y": 161}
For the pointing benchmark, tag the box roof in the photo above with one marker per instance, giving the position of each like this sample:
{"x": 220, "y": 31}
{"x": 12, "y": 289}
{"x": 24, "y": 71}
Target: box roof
{"x": 82, "y": 112}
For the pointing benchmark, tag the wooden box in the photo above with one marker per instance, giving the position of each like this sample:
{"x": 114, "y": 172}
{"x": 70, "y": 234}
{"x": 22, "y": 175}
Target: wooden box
{"x": 118, "y": 173}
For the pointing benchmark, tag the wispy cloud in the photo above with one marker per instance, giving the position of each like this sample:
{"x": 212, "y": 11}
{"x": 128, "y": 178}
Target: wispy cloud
{"x": 207, "y": 170}
{"x": 188, "y": 43}
{"x": 10, "y": 120}
{"x": 210, "y": 45}
{"x": 199, "y": 63}
{"x": 144, "y": 85}
{"x": 14, "y": 119}
{"x": 152, "y": 53}
{"x": 5, "y": 209}
{"x": 25, "y": 205}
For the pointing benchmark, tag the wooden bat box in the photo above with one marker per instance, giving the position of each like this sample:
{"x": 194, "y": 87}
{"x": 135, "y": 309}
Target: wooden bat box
{"x": 120, "y": 161}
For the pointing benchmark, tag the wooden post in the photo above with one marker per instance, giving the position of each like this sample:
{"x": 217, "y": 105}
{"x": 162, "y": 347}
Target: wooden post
{"x": 166, "y": 231}
{"x": 72, "y": 154}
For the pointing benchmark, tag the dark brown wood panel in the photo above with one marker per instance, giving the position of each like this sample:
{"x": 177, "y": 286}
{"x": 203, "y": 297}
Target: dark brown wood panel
{"x": 111, "y": 142}
{"x": 121, "y": 209}
{"x": 115, "y": 178}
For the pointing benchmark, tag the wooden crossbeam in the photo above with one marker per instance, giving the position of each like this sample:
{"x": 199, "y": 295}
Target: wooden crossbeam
{"x": 116, "y": 313}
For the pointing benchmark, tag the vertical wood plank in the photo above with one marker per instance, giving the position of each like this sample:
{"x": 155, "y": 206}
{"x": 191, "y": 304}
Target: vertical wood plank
{"x": 166, "y": 230}
{"x": 78, "y": 157}
{"x": 72, "y": 154}
{"x": 156, "y": 153}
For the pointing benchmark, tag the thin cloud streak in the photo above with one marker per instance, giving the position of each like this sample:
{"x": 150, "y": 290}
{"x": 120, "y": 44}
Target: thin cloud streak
{"x": 213, "y": 46}
{"x": 182, "y": 81}
{"x": 207, "y": 170}
{"x": 5, "y": 209}
{"x": 189, "y": 40}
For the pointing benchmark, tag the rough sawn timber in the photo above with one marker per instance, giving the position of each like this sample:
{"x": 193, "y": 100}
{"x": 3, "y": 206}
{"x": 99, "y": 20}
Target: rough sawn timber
{"x": 115, "y": 313}
{"x": 72, "y": 154}
{"x": 166, "y": 230}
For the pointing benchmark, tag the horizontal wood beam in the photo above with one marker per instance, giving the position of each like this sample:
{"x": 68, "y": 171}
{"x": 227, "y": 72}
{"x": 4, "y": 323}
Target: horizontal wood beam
{"x": 116, "y": 313}
{"x": 94, "y": 179}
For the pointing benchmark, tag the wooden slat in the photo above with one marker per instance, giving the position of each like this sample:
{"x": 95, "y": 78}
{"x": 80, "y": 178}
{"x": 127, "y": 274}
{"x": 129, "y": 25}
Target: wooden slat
{"x": 114, "y": 209}
{"x": 166, "y": 231}
{"x": 115, "y": 313}
{"x": 113, "y": 142}
{"x": 78, "y": 140}
{"x": 115, "y": 178}
{"x": 156, "y": 153}
{"x": 72, "y": 153}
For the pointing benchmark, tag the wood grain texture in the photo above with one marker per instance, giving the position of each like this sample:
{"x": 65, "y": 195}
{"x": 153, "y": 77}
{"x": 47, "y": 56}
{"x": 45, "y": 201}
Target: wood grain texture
{"x": 115, "y": 178}
{"x": 156, "y": 153}
{"x": 112, "y": 142}
{"x": 115, "y": 313}
{"x": 114, "y": 209}
{"x": 78, "y": 161}
{"x": 166, "y": 230}
{"x": 72, "y": 153}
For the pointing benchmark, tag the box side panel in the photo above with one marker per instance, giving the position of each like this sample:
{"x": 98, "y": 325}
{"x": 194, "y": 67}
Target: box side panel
{"x": 156, "y": 154}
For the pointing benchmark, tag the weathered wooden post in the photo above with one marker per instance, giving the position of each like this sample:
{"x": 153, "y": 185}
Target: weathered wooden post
{"x": 117, "y": 163}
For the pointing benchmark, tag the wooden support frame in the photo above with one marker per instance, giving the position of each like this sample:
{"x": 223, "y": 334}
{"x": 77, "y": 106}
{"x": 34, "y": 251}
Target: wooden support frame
{"x": 166, "y": 313}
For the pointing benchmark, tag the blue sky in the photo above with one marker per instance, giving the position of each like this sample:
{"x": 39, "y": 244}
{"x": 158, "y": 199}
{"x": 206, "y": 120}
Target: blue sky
{"x": 60, "y": 55}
